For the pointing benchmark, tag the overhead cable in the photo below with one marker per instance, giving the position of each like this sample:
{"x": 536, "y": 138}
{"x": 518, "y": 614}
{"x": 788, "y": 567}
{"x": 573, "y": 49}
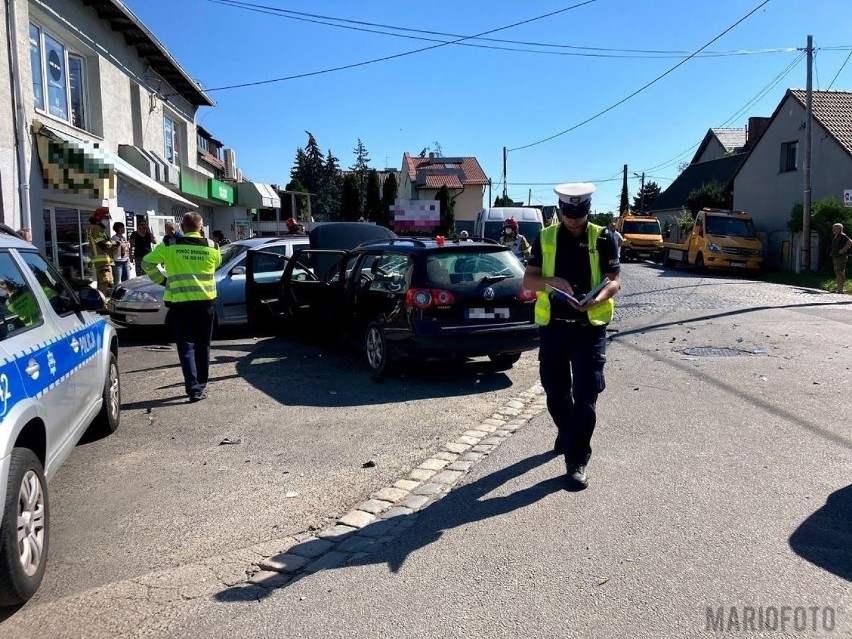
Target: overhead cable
{"x": 839, "y": 70}
{"x": 541, "y": 47}
{"x": 748, "y": 105}
{"x": 404, "y": 53}
{"x": 646, "y": 86}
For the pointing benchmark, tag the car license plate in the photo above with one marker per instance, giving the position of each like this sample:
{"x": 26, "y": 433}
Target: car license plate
{"x": 487, "y": 313}
{"x": 739, "y": 264}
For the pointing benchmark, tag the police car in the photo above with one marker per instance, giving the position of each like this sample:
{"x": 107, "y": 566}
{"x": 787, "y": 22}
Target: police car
{"x": 58, "y": 379}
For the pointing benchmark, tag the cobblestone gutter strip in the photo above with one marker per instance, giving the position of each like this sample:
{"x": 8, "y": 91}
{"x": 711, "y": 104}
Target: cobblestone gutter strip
{"x": 147, "y": 604}
{"x": 393, "y": 509}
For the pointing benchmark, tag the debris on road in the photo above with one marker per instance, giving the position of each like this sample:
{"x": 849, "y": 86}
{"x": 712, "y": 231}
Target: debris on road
{"x": 290, "y": 494}
{"x": 228, "y": 441}
{"x": 368, "y": 464}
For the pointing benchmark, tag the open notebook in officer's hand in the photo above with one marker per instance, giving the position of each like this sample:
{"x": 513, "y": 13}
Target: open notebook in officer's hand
{"x": 585, "y": 299}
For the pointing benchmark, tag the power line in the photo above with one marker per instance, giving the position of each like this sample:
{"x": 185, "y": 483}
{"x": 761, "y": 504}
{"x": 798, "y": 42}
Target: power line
{"x": 572, "y": 50}
{"x": 759, "y": 96}
{"x": 839, "y": 70}
{"x": 404, "y": 53}
{"x": 652, "y": 82}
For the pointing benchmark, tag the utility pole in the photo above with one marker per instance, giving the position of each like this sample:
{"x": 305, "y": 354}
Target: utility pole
{"x": 505, "y": 177}
{"x": 806, "y": 164}
{"x": 642, "y": 196}
{"x": 529, "y": 197}
{"x": 490, "y": 201}
{"x": 624, "y": 193}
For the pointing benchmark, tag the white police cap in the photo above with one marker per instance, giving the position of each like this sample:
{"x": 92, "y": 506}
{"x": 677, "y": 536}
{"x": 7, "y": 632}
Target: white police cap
{"x": 575, "y": 192}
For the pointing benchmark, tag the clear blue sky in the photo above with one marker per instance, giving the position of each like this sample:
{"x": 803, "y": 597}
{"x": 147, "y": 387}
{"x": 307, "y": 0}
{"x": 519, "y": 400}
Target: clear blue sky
{"x": 474, "y": 101}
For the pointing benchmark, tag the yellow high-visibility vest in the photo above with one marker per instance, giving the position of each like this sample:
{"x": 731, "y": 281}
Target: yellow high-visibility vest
{"x": 190, "y": 262}
{"x": 599, "y": 314}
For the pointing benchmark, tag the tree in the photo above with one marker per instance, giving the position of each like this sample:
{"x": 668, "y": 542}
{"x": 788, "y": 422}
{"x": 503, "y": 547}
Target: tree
{"x": 361, "y": 168}
{"x": 503, "y": 201}
{"x": 651, "y": 191}
{"x": 601, "y": 219}
{"x": 390, "y": 189}
{"x": 373, "y": 197}
{"x": 332, "y": 186}
{"x": 709, "y": 195}
{"x": 448, "y": 218}
{"x": 824, "y": 213}
{"x": 624, "y": 204}
{"x": 350, "y": 199}
{"x": 301, "y": 211}
{"x": 309, "y": 170}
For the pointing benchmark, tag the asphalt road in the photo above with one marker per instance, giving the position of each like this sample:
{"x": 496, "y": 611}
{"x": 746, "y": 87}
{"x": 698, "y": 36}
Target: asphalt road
{"x": 162, "y": 492}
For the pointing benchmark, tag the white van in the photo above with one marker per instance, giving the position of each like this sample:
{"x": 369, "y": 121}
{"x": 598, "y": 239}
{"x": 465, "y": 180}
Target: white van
{"x": 489, "y": 222}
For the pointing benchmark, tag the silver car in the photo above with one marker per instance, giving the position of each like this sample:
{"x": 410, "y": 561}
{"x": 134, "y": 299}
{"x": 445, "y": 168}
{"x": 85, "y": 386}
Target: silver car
{"x": 58, "y": 378}
{"x": 139, "y": 302}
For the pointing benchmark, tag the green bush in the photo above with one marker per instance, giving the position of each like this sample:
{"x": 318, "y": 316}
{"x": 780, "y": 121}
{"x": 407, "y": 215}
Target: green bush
{"x": 824, "y": 214}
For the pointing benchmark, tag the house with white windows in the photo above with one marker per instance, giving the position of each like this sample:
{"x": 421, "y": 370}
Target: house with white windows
{"x": 422, "y": 177}
{"x": 102, "y": 114}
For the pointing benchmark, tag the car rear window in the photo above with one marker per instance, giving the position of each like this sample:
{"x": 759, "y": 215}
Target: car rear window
{"x": 457, "y": 267}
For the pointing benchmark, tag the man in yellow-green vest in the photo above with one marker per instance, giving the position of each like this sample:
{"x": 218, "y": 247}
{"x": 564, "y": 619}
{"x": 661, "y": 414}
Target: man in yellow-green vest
{"x": 570, "y": 261}
{"x": 190, "y": 262}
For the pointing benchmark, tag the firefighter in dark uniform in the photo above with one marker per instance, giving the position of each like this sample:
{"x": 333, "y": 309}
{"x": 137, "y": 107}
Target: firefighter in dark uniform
{"x": 574, "y": 256}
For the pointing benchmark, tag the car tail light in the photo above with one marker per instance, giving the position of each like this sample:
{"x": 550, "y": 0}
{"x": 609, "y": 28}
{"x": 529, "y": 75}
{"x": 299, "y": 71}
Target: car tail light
{"x": 526, "y": 295}
{"x": 424, "y": 298}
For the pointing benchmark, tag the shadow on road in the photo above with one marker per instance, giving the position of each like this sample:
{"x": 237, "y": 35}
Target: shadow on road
{"x": 463, "y": 505}
{"x": 296, "y": 373}
{"x": 825, "y": 538}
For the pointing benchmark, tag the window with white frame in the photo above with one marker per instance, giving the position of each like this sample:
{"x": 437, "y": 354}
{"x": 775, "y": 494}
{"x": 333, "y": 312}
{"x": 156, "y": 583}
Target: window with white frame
{"x": 203, "y": 145}
{"x": 59, "y": 78}
{"x": 171, "y": 135}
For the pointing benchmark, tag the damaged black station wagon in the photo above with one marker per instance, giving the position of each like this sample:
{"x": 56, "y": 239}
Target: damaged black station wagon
{"x": 403, "y": 298}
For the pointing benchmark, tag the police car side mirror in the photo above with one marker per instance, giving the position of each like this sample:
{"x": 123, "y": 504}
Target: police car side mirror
{"x": 90, "y": 299}
{"x": 238, "y": 270}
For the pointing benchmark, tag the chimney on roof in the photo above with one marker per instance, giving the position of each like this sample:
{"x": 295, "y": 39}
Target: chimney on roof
{"x": 756, "y": 128}
{"x": 431, "y": 156}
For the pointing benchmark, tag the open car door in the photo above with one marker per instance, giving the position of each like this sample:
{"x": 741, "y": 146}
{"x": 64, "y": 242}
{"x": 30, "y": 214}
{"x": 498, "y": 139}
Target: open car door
{"x": 311, "y": 288}
{"x": 264, "y": 269}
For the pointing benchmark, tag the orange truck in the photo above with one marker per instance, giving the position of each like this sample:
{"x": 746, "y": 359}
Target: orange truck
{"x": 641, "y": 237}
{"x": 718, "y": 239}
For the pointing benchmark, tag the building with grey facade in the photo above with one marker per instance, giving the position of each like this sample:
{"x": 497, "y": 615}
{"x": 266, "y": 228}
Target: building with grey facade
{"x": 103, "y": 115}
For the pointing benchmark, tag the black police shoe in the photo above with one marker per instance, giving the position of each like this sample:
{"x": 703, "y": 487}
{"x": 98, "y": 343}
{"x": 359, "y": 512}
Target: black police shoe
{"x": 577, "y": 475}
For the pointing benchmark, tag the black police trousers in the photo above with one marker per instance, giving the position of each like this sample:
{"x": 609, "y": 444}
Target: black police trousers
{"x": 571, "y": 362}
{"x": 192, "y": 323}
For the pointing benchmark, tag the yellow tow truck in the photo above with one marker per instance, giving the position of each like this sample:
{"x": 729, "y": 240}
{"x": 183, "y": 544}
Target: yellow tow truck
{"x": 642, "y": 239}
{"x": 719, "y": 239}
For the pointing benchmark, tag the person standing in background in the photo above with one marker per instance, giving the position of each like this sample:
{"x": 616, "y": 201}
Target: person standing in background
{"x": 141, "y": 243}
{"x": 121, "y": 254}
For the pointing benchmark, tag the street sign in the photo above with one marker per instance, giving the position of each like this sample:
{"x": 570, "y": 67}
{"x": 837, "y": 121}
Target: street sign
{"x": 847, "y": 198}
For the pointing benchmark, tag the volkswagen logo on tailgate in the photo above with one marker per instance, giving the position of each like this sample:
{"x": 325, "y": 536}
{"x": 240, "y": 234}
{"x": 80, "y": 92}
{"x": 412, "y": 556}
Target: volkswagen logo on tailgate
{"x": 488, "y": 293}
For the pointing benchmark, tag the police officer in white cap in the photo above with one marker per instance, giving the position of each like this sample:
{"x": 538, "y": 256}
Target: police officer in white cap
{"x": 574, "y": 257}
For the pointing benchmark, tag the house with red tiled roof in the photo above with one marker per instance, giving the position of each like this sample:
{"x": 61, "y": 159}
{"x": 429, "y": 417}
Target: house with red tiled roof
{"x": 422, "y": 177}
